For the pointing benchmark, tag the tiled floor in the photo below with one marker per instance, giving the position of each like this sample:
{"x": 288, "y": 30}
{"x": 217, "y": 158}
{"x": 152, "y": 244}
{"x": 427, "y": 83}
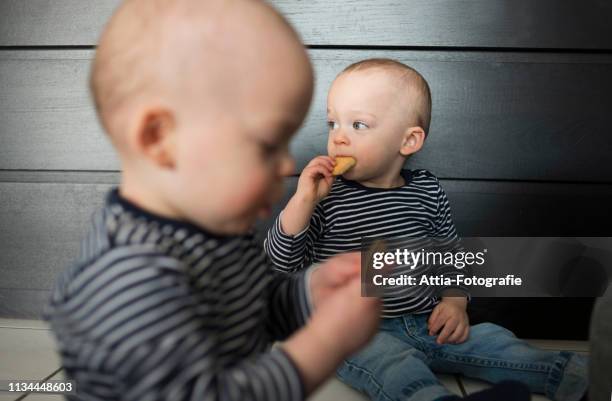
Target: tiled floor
{"x": 27, "y": 351}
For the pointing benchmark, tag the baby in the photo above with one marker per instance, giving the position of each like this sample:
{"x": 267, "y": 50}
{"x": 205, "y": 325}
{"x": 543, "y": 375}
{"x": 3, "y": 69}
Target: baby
{"x": 171, "y": 298}
{"x": 379, "y": 114}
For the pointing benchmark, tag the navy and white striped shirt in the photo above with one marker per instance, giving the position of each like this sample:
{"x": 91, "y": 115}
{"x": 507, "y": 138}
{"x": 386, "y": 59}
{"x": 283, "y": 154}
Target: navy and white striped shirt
{"x": 351, "y": 211}
{"x": 161, "y": 310}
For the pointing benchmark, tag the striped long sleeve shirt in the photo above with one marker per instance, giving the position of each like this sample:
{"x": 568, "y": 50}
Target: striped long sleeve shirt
{"x": 161, "y": 310}
{"x": 351, "y": 212}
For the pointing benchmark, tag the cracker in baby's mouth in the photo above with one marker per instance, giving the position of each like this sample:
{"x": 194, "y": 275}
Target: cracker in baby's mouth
{"x": 343, "y": 164}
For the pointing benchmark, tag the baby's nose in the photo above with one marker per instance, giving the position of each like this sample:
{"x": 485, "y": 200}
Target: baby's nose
{"x": 340, "y": 138}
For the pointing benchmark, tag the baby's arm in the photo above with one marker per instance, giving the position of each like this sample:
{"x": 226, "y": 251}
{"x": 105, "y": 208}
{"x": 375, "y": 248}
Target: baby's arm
{"x": 314, "y": 184}
{"x": 339, "y": 328}
{"x": 289, "y": 253}
{"x": 196, "y": 361}
{"x": 302, "y": 220}
{"x": 342, "y": 323}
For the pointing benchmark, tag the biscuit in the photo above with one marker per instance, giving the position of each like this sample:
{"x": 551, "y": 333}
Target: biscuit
{"x": 343, "y": 164}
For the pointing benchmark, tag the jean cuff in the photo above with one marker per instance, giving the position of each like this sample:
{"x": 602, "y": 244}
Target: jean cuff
{"x": 568, "y": 377}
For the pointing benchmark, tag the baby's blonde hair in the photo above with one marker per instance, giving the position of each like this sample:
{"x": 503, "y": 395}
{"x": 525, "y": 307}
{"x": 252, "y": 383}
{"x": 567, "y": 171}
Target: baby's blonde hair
{"x": 127, "y": 52}
{"x": 421, "y": 112}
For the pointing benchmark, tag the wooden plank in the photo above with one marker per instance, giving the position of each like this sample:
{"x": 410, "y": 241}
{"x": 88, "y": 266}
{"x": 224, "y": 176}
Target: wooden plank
{"x": 496, "y": 115}
{"x": 536, "y": 318}
{"x": 19, "y": 303}
{"x": 53, "y": 23}
{"x": 552, "y": 24}
{"x": 449, "y": 23}
{"x": 43, "y": 222}
{"x": 48, "y": 119}
{"x": 482, "y": 208}
{"x": 42, "y": 226}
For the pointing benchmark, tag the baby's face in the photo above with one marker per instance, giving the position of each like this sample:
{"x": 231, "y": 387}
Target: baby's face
{"x": 366, "y": 118}
{"x": 231, "y": 161}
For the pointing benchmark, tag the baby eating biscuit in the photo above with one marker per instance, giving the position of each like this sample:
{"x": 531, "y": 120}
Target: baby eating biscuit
{"x": 379, "y": 113}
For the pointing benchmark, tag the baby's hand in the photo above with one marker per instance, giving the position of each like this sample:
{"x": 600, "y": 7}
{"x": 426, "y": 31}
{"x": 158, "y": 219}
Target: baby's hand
{"x": 316, "y": 179}
{"x": 341, "y": 323}
{"x": 345, "y": 321}
{"x": 343, "y": 318}
{"x": 451, "y": 314}
{"x": 332, "y": 275}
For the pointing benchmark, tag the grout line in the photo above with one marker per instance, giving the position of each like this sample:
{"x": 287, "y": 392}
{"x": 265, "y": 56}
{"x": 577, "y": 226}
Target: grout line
{"x": 460, "y": 48}
{"x": 53, "y": 374}
{"x": 47, "y": 47}
{"x": 460, "y": 383}
{"x": 441, "y": 48}
{"x": 21, "y": 397}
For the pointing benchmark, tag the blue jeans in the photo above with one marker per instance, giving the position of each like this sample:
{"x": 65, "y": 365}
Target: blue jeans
{"x": 399, "y": 363}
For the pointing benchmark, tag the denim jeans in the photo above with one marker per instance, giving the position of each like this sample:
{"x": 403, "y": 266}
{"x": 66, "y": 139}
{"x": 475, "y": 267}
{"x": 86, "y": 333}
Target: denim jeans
{"x": 399, "y": 363}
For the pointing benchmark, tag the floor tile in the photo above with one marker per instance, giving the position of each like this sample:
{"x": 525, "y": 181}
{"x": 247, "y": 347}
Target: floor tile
{"x": 335, "y": 390}
{"x": 23, "y": 324}
{"x": 44, "y": 397}
{"x": 27, "y": 353}
{"x": 47, "y": 397}
{"x": 451, "y": 383}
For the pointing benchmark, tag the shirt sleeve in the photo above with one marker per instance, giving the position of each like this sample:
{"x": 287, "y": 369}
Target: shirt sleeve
{"x": 175, "y": 348}
{"x": 156, "y": 338}
{"x": 290, "y": 304}
{"x": 446, "y": 238}
{"x": 291, "y": 253}
{"x": 193, "y": 367}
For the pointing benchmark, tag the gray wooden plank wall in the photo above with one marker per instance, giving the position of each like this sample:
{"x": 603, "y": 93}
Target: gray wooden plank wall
{"x": 520, "y": 134}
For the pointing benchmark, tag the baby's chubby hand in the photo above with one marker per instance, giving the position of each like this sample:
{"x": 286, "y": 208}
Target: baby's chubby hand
{"x": 344, "y": 319}
{"x": 316, "y": 179}
{"x": 450, "y": 315}
{"x": 328, "y": 277}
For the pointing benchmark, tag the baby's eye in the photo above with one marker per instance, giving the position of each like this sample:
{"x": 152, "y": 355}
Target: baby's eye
{"x": 360, "y": 125}
{"x": 332, "y": 124}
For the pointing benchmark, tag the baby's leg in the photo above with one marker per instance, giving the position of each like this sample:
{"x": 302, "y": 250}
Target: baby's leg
{"x": 389, "y": 369}
{"x": 493, "y": 353}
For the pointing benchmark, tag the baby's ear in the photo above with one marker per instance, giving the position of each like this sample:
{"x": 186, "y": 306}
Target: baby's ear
{"x": 155, "y": 137}
{"x": 412, "y": 141}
